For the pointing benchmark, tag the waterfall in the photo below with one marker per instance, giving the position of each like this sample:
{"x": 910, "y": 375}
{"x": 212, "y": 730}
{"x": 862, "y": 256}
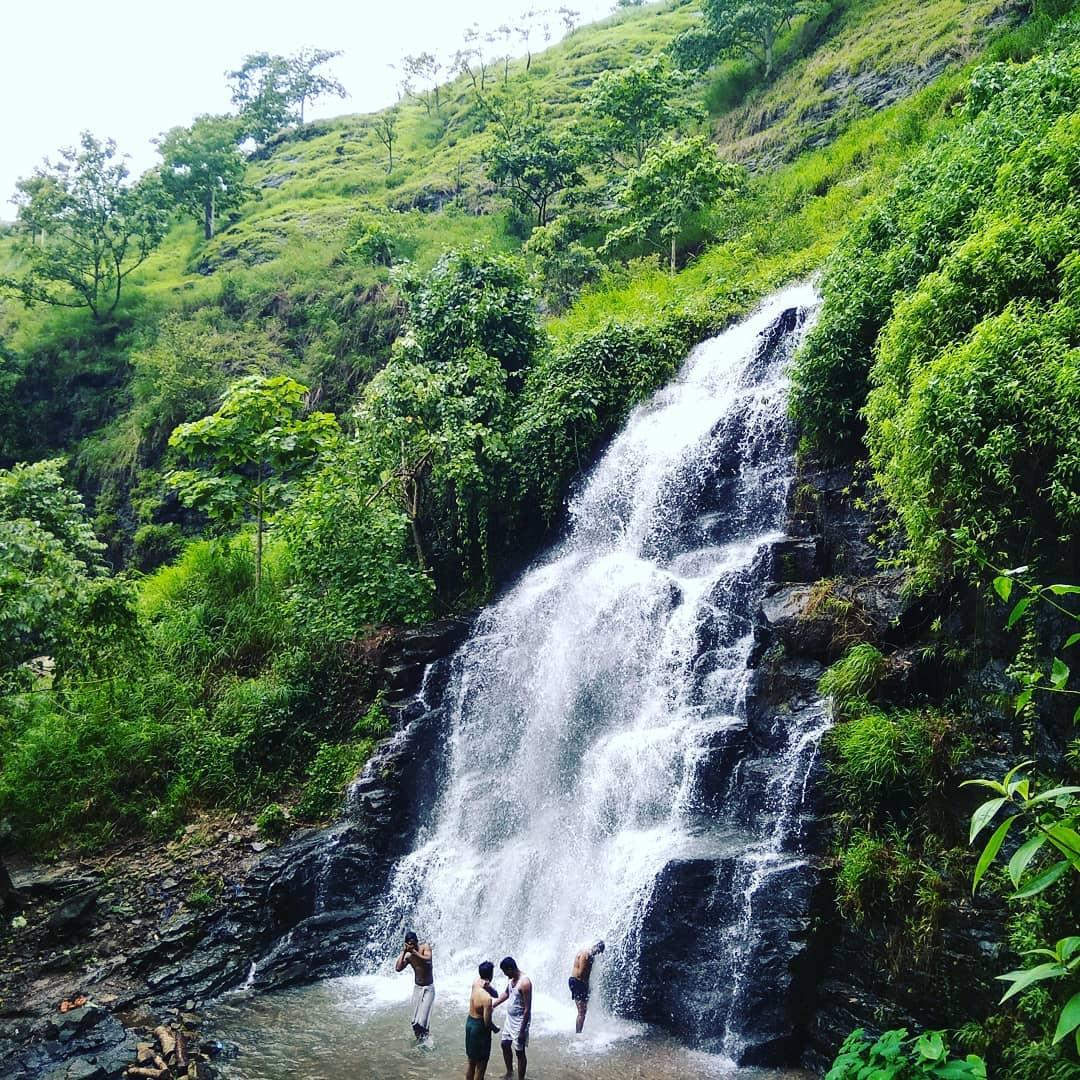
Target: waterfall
{"x": 595, "y": 731}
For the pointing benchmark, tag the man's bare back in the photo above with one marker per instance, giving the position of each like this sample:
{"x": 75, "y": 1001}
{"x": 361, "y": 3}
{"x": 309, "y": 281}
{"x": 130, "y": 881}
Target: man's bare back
{"x": 480, "y": 1001}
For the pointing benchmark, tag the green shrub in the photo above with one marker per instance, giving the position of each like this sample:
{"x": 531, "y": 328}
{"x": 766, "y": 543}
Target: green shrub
{"x": 332, "y": 769}
{"x": 273, "y": 821}
{"x": 155, "y": 545}
{"x": 851, "y": 680}
{"x": 949, "y": 325}
{"x": 896, "y": 1056}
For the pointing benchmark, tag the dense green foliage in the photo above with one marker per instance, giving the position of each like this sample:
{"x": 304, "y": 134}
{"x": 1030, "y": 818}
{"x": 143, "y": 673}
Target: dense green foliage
{"x": 895, "y": 1056}
{"x": 949, "y": 329}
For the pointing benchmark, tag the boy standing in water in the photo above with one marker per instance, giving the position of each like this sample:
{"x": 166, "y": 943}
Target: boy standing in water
{"x": 478, "y": 1026}
{"x": 515, "y": 1034}
{"x": 418, "y": 957}
{"x": 579, "y": 981}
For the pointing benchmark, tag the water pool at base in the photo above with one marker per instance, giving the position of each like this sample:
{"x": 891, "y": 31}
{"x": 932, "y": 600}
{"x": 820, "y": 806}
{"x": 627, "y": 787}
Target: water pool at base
{"x": 358, "y": 1029}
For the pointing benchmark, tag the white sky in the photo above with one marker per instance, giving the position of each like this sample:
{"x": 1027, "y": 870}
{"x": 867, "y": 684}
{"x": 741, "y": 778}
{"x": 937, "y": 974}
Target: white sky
{"x": 131, "y": 69}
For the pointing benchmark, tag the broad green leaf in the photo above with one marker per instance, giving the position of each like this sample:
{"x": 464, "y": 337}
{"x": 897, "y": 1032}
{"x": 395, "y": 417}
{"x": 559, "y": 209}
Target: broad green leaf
{"x": 1059, "y": 675}
{"x": 1021, "y": 980}
{"x": 1071, "y": 640}
{"x": 1023, "y": 856}
{"x": 1044, "y": 880}
{"x": 983, "y": 816}
{"x": 1069, "y": 1019}
{"x": 1003, "y": 587}
{"x": 1017, "y": 612}
{"x": 1067, "y": 948}
{"x": 931, "y": 1045}
{"x": 1017, "y": 768}
{"x": 1064, "y": 590}
{"x": 1053, "y": 793}
{"x": 993, "y": 846}
{"x": 1023, "y": 698}
{"x": 1067, "y": 841}
{"x": 993, "y": 785}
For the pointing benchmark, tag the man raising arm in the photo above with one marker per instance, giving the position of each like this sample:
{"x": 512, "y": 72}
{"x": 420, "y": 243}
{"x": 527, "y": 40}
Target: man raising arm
{"x": 418, "y": 957}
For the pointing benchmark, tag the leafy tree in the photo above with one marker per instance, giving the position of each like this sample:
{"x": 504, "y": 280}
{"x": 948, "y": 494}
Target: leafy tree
{"x": 244, "y": 456}
{"x": 203, "y": 169}
{"x": 436, "y": 436}
{"x": 84, "y": 228}
{"x": 472, "y": 300}
{"x": 424, "y": 66}
{"x": 305, "y": 83}
{"x": 749, "y": 27}
{"x": 631, "y": 109}
{"x": 434, "y": 422}
{"x": 260, "y": 91}
{"x": 348, "y": 550}
{"x": 527, "y": 161}
{"x": 56, "y": 597}
{"x": 272, "y": 91}
{"x": 561, "y": 264}
{"x": 676, "y": 181}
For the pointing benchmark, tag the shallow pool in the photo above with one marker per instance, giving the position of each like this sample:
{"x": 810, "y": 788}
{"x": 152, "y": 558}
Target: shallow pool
{"x": 359, "y": 1027}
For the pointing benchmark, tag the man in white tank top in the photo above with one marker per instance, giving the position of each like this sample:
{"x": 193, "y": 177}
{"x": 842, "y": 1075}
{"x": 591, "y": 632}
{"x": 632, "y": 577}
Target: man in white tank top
{"x": 515, "y": 1032}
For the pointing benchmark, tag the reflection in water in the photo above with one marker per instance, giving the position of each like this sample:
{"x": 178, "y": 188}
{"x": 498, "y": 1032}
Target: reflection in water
{"x": 358, "y": 1029}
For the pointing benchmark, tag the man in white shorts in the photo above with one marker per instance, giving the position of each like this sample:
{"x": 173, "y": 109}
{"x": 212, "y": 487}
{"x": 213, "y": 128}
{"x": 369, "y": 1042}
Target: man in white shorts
{"x": 515, "y": 1032}
{"x": 418, "y": 957}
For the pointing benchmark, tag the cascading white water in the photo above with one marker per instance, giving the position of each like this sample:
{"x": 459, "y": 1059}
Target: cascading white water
{"x": 586, "y": 700}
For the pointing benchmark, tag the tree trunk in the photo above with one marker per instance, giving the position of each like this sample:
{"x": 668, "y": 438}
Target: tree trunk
{"x": 673, "y": 254}
{"x": 259, "y": 517}
{"x": 208, "y": 214}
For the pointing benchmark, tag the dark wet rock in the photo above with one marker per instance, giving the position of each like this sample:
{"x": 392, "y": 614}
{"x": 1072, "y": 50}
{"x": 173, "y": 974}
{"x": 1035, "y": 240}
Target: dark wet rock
{"x": 51, "y": 883}
{"x": 70, "y": 916}
{"x": 797, "y": 559}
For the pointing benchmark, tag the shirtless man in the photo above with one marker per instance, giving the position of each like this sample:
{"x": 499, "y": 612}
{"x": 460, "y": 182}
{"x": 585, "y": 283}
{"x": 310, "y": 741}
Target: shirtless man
{"x": 478, "y": 1027}
{"x": 515, "y": 1035}
{"x": 579, "y": 980}
{"x": 418, "y": 957}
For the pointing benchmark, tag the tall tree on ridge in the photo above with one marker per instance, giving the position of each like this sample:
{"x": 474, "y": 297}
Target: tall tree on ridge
{"x": 202, "y": 167}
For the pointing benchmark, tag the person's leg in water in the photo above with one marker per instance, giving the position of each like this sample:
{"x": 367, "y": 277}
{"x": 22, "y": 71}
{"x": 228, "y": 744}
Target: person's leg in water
{"x": 522, "y": 1063}
{"x": 470, "y": 1070}
{"x": 508, "y": 1057}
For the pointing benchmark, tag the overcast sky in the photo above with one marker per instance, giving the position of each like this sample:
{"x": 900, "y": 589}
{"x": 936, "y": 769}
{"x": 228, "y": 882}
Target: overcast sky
{"x": 130, "y": 69}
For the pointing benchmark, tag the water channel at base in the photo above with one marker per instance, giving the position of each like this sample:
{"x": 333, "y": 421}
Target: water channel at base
{"x": 358, "y": 1028}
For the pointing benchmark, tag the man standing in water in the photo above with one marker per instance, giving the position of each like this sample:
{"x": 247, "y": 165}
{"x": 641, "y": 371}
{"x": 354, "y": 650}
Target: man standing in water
{"x": 579, "y": 980}
{"x": 418, "y": 957}
{"x": 478, "y": 1027}
{"x": 515, "y": 1035}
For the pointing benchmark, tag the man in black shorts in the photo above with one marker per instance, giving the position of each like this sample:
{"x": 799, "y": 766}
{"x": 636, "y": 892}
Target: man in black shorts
{"x": 579, "y": 980}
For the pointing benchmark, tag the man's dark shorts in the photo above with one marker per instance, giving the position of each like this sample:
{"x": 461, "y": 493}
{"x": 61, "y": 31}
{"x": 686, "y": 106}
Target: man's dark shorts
{"x": 579, "y": 990}
{"x": 477, "y": 1040}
